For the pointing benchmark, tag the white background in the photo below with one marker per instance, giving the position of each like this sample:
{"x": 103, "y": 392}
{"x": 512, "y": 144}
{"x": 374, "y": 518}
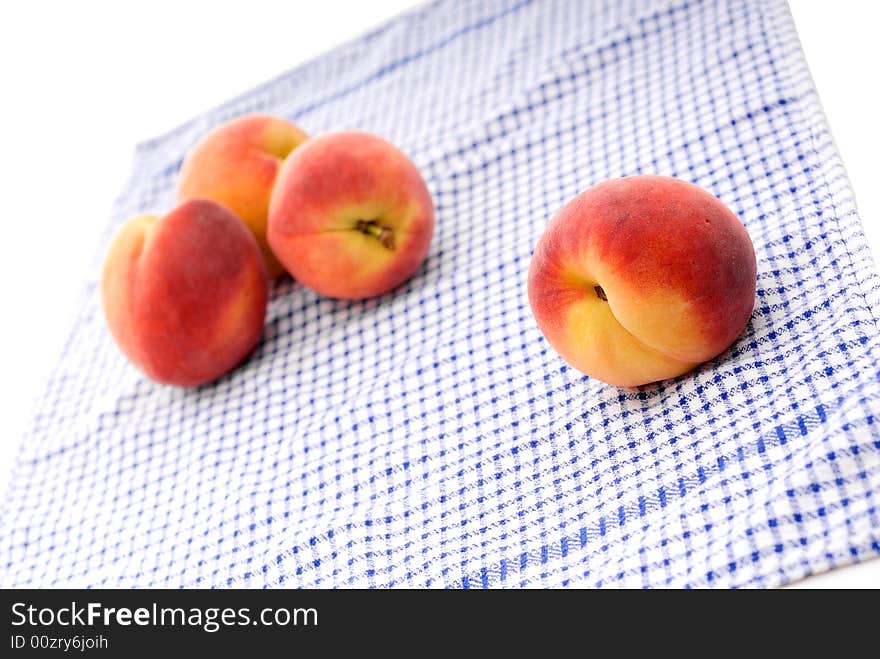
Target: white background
{"x": 82, "y": 83}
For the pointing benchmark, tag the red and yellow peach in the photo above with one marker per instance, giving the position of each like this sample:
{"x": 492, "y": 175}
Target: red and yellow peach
{"x": 185, "y": 294}
{"x": 641, "y": 278}
{"x": 236, "y": 165}
{"x": 350, "y": 216}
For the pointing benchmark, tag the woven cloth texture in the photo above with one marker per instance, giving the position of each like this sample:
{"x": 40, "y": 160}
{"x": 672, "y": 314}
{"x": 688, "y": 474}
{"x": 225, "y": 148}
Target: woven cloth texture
{"x": 430, "y": 436}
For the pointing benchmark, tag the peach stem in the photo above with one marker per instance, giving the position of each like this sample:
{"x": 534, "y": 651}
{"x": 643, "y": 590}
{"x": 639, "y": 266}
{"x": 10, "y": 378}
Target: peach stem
{"x": 384, "y": 234}
{"x": 600, "y": 293}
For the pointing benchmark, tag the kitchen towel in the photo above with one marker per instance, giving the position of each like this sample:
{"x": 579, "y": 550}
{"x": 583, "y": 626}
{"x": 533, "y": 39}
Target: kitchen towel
{"x": 431, "y": 437}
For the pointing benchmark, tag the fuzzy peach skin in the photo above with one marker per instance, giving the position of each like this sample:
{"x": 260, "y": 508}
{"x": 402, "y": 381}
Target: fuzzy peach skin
{"x": 640, "y": 279}
{"x": 236, "y": 164}
{"x": 185, "y": 294}
{"x": 350, "y": 216}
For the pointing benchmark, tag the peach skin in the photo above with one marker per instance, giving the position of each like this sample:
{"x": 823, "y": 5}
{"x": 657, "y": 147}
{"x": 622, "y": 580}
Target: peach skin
{"x": 185, "y": 294}
{"x": 235, "y": 165}
{"x": 350, "y": 215}
{"x": 640, "y": 279}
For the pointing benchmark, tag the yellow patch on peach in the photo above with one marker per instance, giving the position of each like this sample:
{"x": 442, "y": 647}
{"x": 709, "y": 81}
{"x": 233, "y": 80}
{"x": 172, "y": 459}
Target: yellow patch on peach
{"x": 593, "y": 336}
{"x": 590, "y": 334}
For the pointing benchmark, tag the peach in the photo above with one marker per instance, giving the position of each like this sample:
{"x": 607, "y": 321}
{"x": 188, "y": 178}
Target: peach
{"x": 350, "y": 215}
{"x": 235, "y": 165}
{"x": 185, "y": 294}
{"x": 640, "y": 279}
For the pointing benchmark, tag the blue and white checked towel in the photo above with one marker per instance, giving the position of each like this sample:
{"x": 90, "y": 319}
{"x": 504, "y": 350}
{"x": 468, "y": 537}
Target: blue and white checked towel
{"x": 431, "y": 437}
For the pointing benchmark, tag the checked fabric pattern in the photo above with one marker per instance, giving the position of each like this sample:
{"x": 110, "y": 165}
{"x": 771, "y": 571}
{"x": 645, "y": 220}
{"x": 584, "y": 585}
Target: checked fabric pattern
{"x": 431, "y": 437}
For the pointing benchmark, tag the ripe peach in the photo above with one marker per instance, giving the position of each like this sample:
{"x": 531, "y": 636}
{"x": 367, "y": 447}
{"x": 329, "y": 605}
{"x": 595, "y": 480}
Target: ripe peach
{"x": 641, "y": 278}
{"x": 350, "y": 216}
{"x": 185, "y": 294}
{"x": 235, "y": 165}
